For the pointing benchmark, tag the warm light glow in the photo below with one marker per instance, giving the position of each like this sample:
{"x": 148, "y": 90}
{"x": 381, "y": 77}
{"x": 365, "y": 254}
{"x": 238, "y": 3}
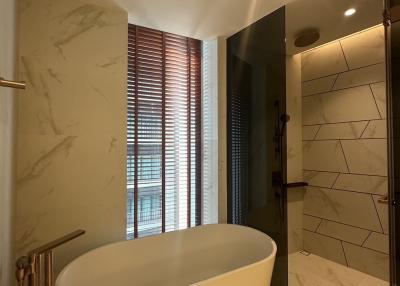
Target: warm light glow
{"x": 350, "y": 12}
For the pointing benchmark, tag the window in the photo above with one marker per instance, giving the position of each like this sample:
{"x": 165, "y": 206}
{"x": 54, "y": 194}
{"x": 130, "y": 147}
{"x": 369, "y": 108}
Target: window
{"x": 164, "y": 160}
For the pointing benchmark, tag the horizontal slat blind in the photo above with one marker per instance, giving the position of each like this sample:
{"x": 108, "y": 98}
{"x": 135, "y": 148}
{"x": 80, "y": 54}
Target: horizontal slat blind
{"x": 164, "y": 132}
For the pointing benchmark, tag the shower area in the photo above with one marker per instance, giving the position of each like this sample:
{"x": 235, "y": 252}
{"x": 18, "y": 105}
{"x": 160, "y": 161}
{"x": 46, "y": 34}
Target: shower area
{"x": 307, "y": 133}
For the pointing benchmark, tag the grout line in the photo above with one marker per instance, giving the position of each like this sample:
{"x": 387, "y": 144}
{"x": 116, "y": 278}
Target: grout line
{"x": 334, "y": 182}
{"x": 341, "y": 89}
{"x": 347, "y": 139}
{"x": 366, "y": 126}
{"x": 377, "y": 214}
{"x": 334, "y": 82}
{"x": 334, "y": 172}
{"x": 367, "y": 66}
{"x": 344, "y": 155}
{"x": 365, "y": 240}
{"x": 315, "y": 136}
{"x": 346, "y": 224}
{"x": 339, "y": 122}
{"x": 348, "y": 242}
{"x": 376, "y": 104}
{"x": 344, "y": 55}
{"x": 344, "y": 254}
{"x": 316, "y": 230}
{"x": 343, "y": 190}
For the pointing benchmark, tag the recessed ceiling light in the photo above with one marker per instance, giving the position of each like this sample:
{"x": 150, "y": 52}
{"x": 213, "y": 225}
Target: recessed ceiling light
{"x": 350, "y": 12}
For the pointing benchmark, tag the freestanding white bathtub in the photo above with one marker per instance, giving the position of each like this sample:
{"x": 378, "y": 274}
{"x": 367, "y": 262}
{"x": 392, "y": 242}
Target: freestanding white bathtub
{"x": 219, "y": 254}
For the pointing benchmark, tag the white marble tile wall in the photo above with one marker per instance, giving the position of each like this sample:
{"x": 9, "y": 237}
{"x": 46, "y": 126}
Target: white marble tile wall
{"x": 71, "y": 133}
{"x": 344, "y": 152}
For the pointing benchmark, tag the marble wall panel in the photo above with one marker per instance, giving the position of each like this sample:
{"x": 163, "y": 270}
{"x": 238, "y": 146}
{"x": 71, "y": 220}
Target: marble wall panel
{"x": 376, "y": 129}
{"x": 320, "y": 179}
{"x": 71, "y": 133}
{"x": 320, "y": 85}
{"x": 343, "y": 232}
{"x": 309, "y": 132}
{"x": 379, "y": 91}
{"x": 362, "y": 76}
{"x": 338, "y": 106}
{"x": 324, "y": 156}
{"x": 362, "y": 183}
{"x": 348, "y": 130}
{"x": 311, "y": 223}
{"x": 378, "y": 242}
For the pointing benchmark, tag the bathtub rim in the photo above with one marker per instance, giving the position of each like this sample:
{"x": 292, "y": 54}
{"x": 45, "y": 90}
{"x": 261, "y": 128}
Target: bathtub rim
{"x": 269, "y": 257}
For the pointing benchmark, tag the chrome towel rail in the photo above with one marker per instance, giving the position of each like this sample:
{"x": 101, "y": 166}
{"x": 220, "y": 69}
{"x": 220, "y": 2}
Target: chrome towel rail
{"x": 37, "y": 266}
{"x": 12, "y": 84}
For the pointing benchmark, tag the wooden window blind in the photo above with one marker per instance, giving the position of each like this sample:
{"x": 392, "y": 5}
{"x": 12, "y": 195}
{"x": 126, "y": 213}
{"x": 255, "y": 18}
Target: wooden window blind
{"x": 164, "y": 132}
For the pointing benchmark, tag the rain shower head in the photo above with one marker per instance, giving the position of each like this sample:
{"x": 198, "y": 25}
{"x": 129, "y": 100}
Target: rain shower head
{"x": 307, "y": 37}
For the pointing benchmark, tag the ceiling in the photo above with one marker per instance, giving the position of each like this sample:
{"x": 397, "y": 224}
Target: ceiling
{"x": 208, "y": 19}
{"x": 200, "y": 19}
{"x": 327, "y": 16}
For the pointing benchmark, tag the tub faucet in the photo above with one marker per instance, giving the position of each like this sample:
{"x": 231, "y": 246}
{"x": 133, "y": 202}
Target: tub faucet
{"x": 40, "y": 261}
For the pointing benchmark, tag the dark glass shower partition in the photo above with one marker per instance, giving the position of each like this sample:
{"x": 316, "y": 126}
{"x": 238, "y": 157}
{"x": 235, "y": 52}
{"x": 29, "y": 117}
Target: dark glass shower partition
{"x": 256, "y": 132}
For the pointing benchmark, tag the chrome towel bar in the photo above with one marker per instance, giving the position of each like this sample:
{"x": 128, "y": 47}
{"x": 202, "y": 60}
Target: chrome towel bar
{"x": 12, "y": 84}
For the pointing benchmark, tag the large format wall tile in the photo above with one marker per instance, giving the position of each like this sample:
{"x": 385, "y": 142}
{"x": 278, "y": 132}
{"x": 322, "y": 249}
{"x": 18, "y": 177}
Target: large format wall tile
{"x": 343, "y": 232}
{"x": 383, "y": 212}
{"x": 379, "y": 91}
{"x": 324, "y": 156}
{"x": 378, "y": 242}
{"x": 311, "y": 223}
{"x": 368, "y": 261}
{"x": 324, "y": 61}
{"x": 320, "y": 85}
{"x": 366, "y": 156}
{"x": 320, "y": 179}
{"x": 376, "y": 129}
{"x": 309, "y": 132}
{"x": 362, "y": 76}
{"x": 365, "y": 48}
{"x": 362, "y": 183}
{"x": 338, "y": 106}
{"x": 350, "y": 130}
{"x": 341, "y": 206}
{"x": 324, "y": 246}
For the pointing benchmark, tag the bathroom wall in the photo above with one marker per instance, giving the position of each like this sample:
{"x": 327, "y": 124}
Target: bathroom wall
{"x": 344, "y": 149}
{"x": 294, "y": 153}
{"x": 7, "y": 130}
{"x": 71, "y": 133}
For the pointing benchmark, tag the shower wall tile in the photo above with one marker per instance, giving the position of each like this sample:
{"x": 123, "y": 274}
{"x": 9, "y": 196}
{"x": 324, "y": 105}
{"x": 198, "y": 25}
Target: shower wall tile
{"x": 362, "y": 76}
{"x": 323, "y": 61}
{"x": 366, "y": 156}
{"x": 320, "y": 179}
{"x": 383, "y": 211}
{"x": 311, "y": 223}
{"x": 71, "y": 134}
{"x": 376, "y": 129}
{"x": 320, "y": 85}
{"x": 378, "y": 242}
{"x": 343, "y": 232}
{"x": 365, "y": 48}
{"x": 324, "y": 156}
{"x": 349, "y": 130}
{"x": 368, "y": 261}
{"x": 341, "y": 206}
{"x": 338, "y": 106}
{"x": 324, "y": 246}
{"x": 350, "y": 143}
{"x": 309, "y": 132}
{"x": 362, "y": 183}
{"x": 379, "y": 91}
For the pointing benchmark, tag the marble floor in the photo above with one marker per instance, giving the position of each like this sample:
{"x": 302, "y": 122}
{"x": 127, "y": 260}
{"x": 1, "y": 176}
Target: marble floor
{"x": 313, "y": 270}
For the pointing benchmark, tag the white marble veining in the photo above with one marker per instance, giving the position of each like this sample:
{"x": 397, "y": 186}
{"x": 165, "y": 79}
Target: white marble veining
{"x": 324, "y": 156}
{"x": 348, "y": 130}
{"x": 362, "y": 183}
{"x": 71, "y": 139}
{"x": 320, "y": 85}
{"x": 324, "y": 61}
{"x": 313, "y": 270}
{"x": 376, "y": 129}
{"x": 362, "y": 76}
{"x": 351, "y": 208}
{"x": 320, "y": 179}
{"x": 365, "y": 48}
{"x": 343, "y": 232}
{"x": 338, "y": 106}
{"x": 366, "y": 156}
